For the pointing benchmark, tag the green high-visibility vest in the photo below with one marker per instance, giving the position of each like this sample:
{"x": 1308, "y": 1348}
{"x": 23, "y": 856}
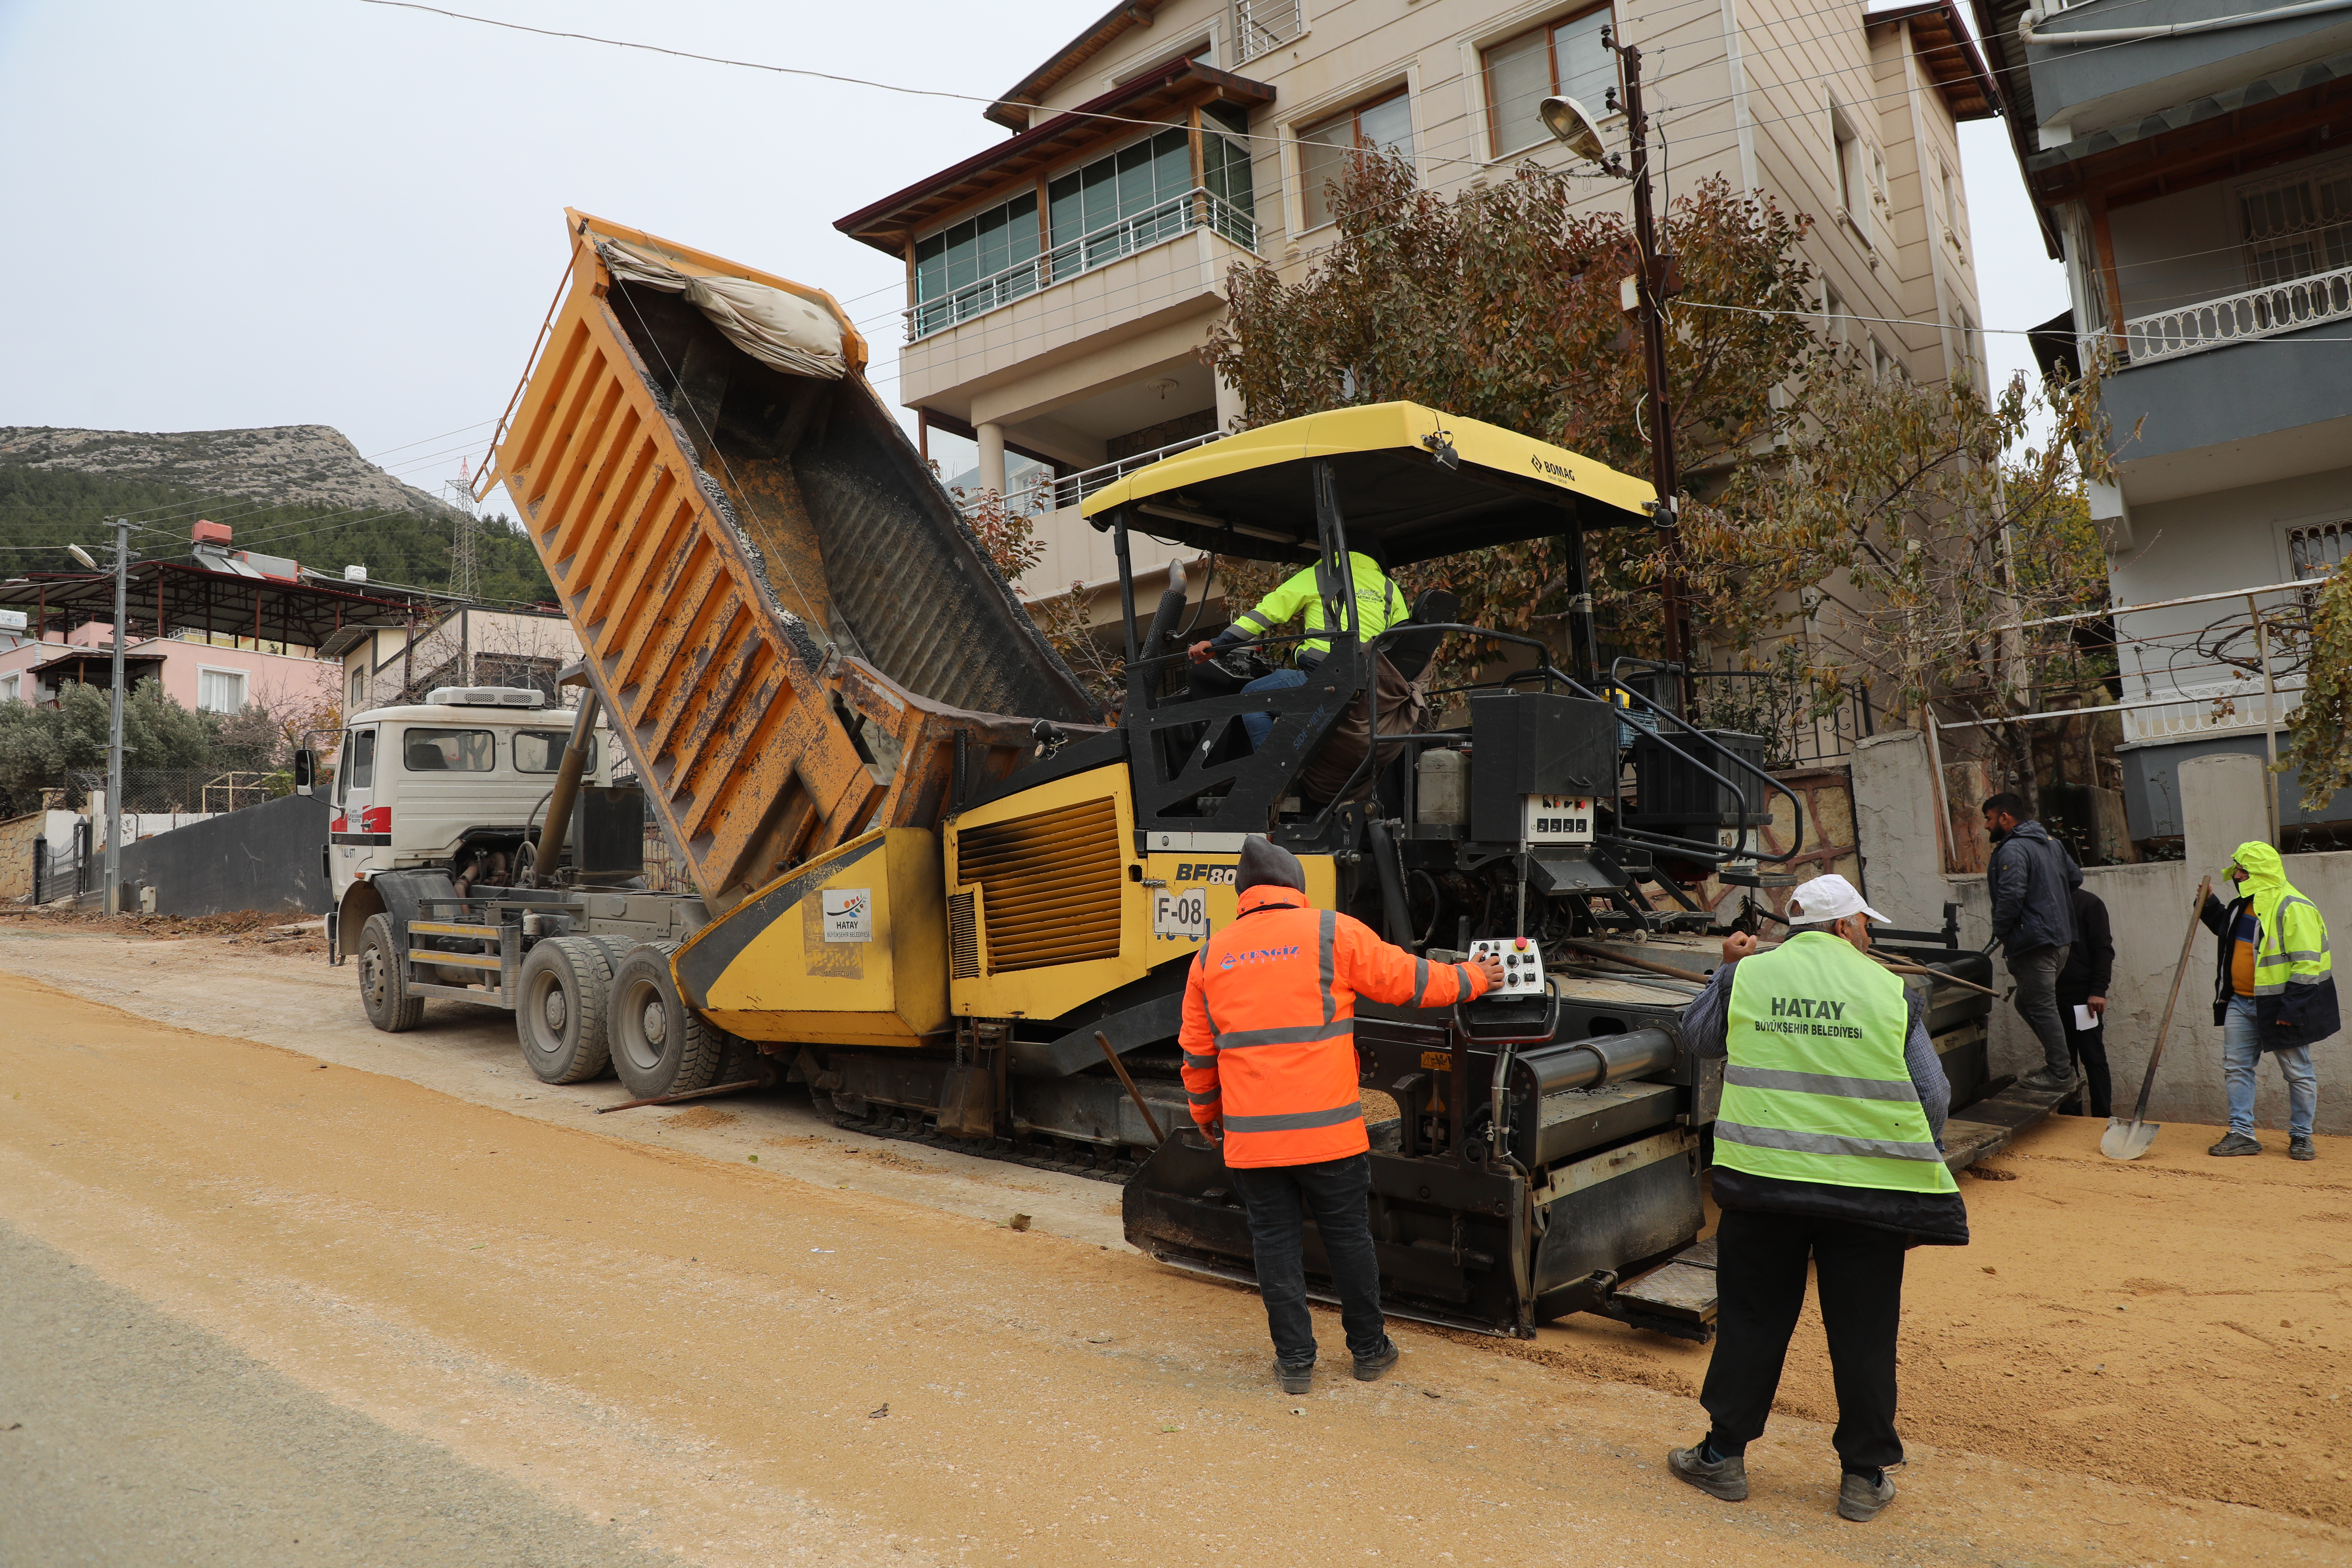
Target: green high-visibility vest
{"x": 1815, "y": 1089}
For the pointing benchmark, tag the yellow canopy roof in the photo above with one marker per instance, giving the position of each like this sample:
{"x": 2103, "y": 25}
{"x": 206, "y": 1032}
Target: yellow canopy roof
{"x": 1252, "y": 494}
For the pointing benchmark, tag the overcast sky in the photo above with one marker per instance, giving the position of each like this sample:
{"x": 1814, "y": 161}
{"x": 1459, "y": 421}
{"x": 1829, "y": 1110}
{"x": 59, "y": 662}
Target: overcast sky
{"x": 283, "y": 211}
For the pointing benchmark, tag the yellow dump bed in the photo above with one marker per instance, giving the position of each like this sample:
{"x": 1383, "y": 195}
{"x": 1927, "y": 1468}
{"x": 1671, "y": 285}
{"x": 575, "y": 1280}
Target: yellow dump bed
{"x": 782, "y": 608}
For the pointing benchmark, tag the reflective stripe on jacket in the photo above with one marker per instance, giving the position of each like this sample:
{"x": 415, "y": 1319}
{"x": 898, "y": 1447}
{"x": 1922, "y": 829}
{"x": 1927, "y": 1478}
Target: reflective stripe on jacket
{"x": 1269, "y": 1033}
{"x": 1379, "y": 606}
{"x": 1815, "y": 1087}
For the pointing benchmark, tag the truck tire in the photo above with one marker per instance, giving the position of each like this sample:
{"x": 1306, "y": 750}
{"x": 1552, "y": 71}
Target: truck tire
{"x": 658, "y": 1045}
{"x": 384, "y": 982}
{"x": 559, "y": 1009}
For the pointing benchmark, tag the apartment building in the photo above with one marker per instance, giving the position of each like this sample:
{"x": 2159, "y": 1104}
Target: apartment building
{"x": 1061, "y": 281}
{"x": 2195, "y": 187}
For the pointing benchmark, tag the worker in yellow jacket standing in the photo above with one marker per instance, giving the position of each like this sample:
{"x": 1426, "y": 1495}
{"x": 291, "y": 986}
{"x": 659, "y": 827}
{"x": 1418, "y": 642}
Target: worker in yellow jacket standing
{"x": 1826, "y": 1154}
{"x": 2273, "y": 991}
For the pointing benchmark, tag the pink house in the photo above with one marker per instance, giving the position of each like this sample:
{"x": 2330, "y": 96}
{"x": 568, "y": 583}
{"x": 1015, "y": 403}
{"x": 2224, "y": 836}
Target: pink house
{"x": 222, "y": 629}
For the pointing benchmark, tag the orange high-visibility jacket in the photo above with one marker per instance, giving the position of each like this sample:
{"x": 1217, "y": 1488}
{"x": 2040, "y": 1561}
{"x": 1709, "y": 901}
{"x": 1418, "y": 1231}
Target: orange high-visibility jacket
{"x": 1269, "y": 1031}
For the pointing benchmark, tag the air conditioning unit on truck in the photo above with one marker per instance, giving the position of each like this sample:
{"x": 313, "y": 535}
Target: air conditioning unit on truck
{"x": 936, "y": 889}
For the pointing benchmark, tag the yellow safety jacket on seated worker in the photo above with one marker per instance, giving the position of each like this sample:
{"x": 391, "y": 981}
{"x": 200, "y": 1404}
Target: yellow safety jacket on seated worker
{"x": 1380, "y": 604}
{"x": 1815, "y": 1089}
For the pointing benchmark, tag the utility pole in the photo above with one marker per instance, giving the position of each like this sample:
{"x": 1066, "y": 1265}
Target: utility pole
{"x": 1657, "y": 279}
{"x": 114, "y": 723}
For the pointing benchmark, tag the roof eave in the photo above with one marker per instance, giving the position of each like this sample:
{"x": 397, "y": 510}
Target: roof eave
{"x": 1014, "y": 110}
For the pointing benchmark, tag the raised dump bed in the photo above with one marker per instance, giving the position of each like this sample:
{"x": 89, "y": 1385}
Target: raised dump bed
{"x": 783, "y": 611}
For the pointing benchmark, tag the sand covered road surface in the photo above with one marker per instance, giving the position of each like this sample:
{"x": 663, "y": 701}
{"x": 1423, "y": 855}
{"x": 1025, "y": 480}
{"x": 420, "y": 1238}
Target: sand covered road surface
{"x": 638, "y": 1329}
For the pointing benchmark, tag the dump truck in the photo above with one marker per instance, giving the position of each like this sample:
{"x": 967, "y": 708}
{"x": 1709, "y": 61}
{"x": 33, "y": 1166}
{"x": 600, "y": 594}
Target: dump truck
{"x": 934, "y": 884}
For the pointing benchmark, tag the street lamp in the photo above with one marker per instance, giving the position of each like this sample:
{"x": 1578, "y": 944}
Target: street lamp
{"x": 1574, "y": 128}
{"x": 114, "y": 713}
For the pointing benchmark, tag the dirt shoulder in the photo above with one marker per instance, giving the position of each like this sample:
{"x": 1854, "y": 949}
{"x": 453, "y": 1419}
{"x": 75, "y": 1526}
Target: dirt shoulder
{"x": 2132, "y": 1362}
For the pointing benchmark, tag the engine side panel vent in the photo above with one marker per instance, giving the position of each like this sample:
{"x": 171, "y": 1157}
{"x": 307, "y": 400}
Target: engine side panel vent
{"x": 963, "y": 938}
{"x": 1050, "y": 885}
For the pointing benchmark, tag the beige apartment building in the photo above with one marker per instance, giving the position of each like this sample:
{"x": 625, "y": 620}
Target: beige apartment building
{"x": 1061, "y": 281}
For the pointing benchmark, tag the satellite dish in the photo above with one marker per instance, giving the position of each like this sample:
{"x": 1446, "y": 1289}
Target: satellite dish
{"x": 1573, "y": 128}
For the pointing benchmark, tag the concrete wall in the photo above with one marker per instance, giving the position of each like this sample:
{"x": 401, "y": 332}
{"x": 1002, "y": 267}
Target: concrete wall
{"x": 2149, "y": 906}
{"x": 267, "y": 857}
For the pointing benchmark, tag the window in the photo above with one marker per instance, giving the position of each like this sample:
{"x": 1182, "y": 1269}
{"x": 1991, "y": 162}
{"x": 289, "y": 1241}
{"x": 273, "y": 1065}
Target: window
{"x": 1225, "y": 168}
{"x": 968, "y": 267}
{"x": 2297, "y": 225}
{"x": 1384, "y": 125}
{"x": 448, "y": 751}
{"x": 1565, "y": 58}
{"x": 1121, "y": 204}
{"x": 220, "y": 690}
{"x": 2318, "y": 550}
{"x": 1834, "y": 315}
{"x": 1968, "y": 330}
{"x": 8, "y": 686}
{"x": 357, "y": 700}
{"x": 358, "y": 771}
{"x": 542, "y": 750}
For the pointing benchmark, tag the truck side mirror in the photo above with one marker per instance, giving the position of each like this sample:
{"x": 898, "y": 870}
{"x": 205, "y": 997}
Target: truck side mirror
{"x": 306, "y": 770}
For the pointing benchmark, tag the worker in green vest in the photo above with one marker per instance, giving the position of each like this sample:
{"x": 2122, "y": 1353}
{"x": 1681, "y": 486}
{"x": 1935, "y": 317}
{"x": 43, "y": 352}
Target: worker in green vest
{"x": 1826, "y": 1151}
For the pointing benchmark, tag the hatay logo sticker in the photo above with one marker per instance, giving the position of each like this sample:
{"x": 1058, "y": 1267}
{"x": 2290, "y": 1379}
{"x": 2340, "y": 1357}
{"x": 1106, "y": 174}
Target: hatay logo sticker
{"x": 849, "y": 914}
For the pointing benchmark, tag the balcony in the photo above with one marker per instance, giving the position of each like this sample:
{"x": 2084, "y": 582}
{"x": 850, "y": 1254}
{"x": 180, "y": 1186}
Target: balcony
{"x": 2264, "y": 313}
{"x": 1180, "y": 215}
{"x": 2108, "y": 83}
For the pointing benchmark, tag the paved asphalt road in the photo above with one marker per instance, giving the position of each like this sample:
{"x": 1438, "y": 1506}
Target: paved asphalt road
{"x": 129, "y": 1437}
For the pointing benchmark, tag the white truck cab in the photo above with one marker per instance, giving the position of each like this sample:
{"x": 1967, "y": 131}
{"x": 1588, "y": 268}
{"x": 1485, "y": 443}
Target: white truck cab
{"x": 459, "y": 780}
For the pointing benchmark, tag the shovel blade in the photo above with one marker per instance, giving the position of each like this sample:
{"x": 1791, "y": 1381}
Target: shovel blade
{"x": 2128, "y": 1138}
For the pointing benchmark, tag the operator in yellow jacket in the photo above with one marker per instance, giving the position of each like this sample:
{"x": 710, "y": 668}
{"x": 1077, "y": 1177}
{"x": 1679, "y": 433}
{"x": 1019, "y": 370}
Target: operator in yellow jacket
{"x": 1380, "y": 604}
{"x": 2273, "y": 991}
{"x": 1269, "y": 1041}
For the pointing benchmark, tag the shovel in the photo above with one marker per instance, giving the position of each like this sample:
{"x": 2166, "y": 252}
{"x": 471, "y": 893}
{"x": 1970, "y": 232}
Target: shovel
{"x": 2129, "y": 1140}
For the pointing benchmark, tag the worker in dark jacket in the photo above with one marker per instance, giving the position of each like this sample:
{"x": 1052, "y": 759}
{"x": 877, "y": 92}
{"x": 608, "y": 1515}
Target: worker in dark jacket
{"x": 2083, "y": 984}
{"x": 2032, "y": 879}
{"x": 2274, "y": 990}
{"x": 1269, "y": 1041}
{"x": 1827, "y": 1151}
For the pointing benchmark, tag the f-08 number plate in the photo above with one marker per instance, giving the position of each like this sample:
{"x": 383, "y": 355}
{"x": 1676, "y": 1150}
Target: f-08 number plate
{"x": 1180, "y": 914}
{"x": 1557, "y": 819}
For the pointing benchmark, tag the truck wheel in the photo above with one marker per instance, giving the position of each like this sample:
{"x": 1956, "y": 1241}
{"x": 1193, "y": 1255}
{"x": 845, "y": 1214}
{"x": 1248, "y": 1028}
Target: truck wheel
{"x": 559, "y": 1009}
{"x": 383, "y": 987}
{"x": 658, "y": 1045}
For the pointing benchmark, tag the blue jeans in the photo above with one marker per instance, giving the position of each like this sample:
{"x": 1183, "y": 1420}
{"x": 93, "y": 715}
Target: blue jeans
{"x": 2240, "y": 1052}
{"x": 1261, "y": 726}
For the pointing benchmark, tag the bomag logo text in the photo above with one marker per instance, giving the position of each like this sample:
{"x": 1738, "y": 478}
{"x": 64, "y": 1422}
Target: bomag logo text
{"x": 1550, "y": 470}
{"x": 1201, "y": 871}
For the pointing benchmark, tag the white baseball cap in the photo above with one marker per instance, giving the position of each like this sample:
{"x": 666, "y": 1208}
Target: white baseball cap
{"x": 1826, "y": 899}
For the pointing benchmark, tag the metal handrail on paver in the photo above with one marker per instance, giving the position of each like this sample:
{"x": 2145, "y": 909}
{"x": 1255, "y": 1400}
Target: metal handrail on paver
{"x": 1195, "y": 208}
{"x": 2254, "y": 313}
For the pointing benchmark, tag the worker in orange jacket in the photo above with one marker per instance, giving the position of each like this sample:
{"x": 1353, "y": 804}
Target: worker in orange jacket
{"x": 1269, "y": 1042}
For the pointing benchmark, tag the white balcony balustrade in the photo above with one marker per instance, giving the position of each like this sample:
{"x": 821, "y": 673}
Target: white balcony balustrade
{"x": 2262, "y": 312}
{"x": 1180, "y": 215}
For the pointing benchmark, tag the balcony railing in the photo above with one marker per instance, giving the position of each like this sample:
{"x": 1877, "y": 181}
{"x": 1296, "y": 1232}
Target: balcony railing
{"x": 2256, "y": 313}
{"x": 1195, "y": 209}
{"x": 1047, "y": 493}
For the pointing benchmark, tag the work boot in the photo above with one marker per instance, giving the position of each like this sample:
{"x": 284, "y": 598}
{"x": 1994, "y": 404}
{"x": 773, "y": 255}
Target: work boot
{"x": 1369, "y": 1368}
{"x": 2237, "y": 1143}
{"x": 2296, "y": 1147}
{"x": 1296, "y": 1376}
{"x": 2041, "y": 1080}
{"x": 1859, "y": 1500}
{"x": 1726, "y": 1477}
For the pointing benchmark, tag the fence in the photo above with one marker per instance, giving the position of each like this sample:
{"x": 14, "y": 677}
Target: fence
{"x": 62, "y": 869}
{"x": 1798, "y": 728}
{"x": 182, "y": 792}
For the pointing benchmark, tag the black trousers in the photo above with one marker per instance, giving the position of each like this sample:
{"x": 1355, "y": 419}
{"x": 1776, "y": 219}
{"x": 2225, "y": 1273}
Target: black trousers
{"x": 1337, "y": 1193}
{"x": 1760, "y": 1273}
{"x": 2090, "y": 1048}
